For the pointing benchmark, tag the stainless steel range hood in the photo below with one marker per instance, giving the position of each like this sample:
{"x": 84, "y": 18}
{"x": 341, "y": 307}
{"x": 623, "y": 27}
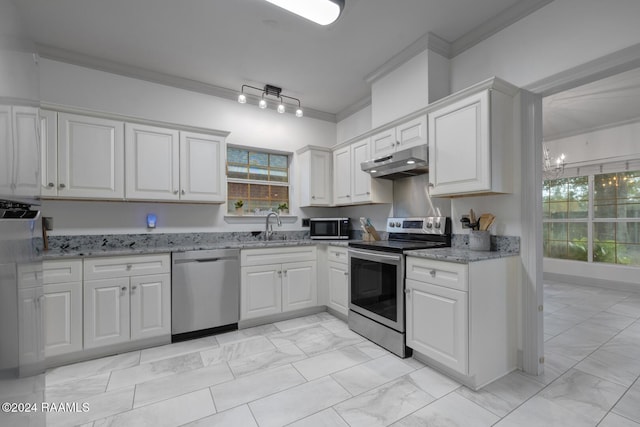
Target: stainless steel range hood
{"x": 401, "y": 164}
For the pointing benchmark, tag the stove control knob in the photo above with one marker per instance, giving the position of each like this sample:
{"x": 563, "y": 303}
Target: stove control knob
{"x": 429, "y": 225}
{"x": 437, "y": 224}
{"x": 391, "y": 224}
{"x": 398, "y": 224}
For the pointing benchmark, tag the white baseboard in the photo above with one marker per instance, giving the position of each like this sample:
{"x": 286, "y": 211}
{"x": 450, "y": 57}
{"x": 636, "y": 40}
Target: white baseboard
{"x": 591, "y": 281}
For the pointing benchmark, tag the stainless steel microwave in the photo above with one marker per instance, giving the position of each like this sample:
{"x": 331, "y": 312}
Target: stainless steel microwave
{"x": 329, "y": 228}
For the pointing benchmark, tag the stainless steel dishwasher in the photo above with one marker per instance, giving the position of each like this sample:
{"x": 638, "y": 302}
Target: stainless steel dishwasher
{"x": 205, "y": 292}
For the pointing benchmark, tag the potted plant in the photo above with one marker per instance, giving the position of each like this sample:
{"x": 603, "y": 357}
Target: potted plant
{"x": 238, "y": 205}
{"x": 283, "y": 208}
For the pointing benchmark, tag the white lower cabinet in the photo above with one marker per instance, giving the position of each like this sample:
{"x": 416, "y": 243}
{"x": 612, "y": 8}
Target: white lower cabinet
{"x": 30, "y": 321}
{"x": 268, "y": 288}
{"x": 62, "y": 313}
{"x": 338, "y": 279}
{"x": 461, "y": 317}
{"x": 132, "y": 304}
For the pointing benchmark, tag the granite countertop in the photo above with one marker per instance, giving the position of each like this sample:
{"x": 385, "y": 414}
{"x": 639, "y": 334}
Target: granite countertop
{"x": 183, "y": 247}
{"x": 460, "y": 255}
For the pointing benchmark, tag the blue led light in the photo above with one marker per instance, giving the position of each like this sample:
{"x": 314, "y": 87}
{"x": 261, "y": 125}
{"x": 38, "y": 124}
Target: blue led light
{"x": 151, "y": 220}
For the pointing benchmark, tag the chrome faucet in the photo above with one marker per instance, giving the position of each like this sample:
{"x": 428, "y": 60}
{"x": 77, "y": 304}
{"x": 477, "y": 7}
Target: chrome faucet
{"x": 268, "y": 228}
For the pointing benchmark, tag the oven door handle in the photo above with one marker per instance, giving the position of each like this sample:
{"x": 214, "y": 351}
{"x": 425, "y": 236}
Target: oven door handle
{"x": 375, "y": 256}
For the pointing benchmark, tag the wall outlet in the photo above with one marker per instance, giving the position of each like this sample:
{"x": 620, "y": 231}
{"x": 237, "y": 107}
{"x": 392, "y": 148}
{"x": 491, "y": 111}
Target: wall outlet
{"x": 306, "y": 222}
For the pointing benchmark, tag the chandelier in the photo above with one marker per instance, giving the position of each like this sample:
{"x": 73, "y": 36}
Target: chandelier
{"x": 552, "y": 169}
{"x": 275, "y": 93}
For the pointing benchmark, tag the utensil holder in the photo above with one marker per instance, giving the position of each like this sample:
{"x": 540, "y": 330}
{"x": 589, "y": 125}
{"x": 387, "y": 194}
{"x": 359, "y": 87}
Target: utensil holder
{"x": 479, "y": 240}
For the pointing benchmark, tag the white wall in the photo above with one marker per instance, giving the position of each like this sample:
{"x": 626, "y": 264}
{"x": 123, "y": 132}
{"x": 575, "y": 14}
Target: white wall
{"x": 401, "y": 92}
{"x": 555, "y": 38}
{"x": 354, "y": 125}
{"x": 81, "y": 87}
{"x": 619, "y": 141}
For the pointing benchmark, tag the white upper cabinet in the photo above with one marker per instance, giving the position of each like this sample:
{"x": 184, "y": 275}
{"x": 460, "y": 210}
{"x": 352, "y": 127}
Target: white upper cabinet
{"x": 470, "y": 140}
{"x": 90, "y": 157}
{"x": 353, "y": 186}
{"x": 19, "y": 151}
{"x": 202, "y": 171}
{"x": 315, "y": 176}
{"x": 405, "y": 135}
{"x": 152, "y": 163}
{"x": 48, "y": 153}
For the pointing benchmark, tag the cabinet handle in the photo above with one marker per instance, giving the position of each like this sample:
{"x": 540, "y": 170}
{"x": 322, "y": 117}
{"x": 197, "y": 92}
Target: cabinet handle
{"x": 51, "y": 185}
{"x": 280, "y": 273}
{"x": 183, "y": 192}
{"x": 175, "y": 192}
{"x": 432, "y": 273}
{"x": 62, "y": 186}
{"x": 133, "y": 288}
{"x": 285, "y": 273}
{"x": 123, "y": 289}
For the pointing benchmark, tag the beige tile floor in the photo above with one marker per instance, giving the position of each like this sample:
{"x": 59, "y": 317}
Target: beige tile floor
{"x": 313, "y": 371}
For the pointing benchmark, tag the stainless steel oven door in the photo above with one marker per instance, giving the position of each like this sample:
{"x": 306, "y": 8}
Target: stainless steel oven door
{"x": 376, "y": 286}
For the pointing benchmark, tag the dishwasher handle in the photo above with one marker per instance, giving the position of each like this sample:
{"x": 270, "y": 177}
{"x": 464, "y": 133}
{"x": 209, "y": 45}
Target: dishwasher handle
{"x": 186, "y": 261}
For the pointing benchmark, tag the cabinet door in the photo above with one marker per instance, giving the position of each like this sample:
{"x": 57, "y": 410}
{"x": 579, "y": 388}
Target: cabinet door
{"x": 26, "y": 124}
{"x": 299, "y": 285}
{"x": 412, "y": 133}
{"x": 6, "y": 150}
{"x": 62, "y": 313}
{"x": 106, "y": 312}
{"x": 90, "y": 157}
{"x": 383, "y": 143}
{"x": 202, "y": 171}
{"x": 338, "y": 287}
{"x": 150, "y": 306}
{"x": 320, "y": 175}
{"x": 260, "y": 291}
{"x": 31, "y": 349}
{"x": 152, "y": 163}
{"x": 360, "y": 181}
{"x": 437, "y": 324}
{"x": 459, "y": 150}
{"x": 342, "y": 176}
{"x": 49, "y": 153}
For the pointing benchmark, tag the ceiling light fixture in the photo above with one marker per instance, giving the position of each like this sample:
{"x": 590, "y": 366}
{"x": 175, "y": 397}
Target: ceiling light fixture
{"x": 323, "y": 12}
{"x": 273, "y": 91}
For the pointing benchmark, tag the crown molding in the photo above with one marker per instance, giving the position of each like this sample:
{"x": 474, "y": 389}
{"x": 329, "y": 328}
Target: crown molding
{"x": 497, "y": 23}
{"x": 615, "y": 63}
{"x": 563, "y": 135}
{"x": 353, "y": 108}
{"x": 87, "y": 61}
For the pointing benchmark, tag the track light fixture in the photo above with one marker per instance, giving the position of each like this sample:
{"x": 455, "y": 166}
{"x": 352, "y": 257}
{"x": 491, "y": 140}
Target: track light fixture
{"x": 272, "y": 91}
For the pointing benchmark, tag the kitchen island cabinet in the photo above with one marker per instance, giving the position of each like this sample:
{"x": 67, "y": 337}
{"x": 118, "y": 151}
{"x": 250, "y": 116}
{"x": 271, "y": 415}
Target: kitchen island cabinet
{"x": 461, "y": 318}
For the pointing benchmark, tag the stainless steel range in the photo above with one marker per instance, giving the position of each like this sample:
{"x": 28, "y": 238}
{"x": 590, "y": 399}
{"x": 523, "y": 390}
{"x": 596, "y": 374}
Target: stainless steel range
{"x": 377, "y": 273}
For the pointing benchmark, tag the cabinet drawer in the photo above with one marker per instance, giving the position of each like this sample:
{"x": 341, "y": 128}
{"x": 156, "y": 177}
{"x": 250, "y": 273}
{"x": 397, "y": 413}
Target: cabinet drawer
{"x": 265, "y": 256}
{"x": 447, "y": 274}
{"x": 337, "y": 254}
{"x": 138, "y": 265}
{"x": 61, "y": 271}
{"x": 29, "y": 275}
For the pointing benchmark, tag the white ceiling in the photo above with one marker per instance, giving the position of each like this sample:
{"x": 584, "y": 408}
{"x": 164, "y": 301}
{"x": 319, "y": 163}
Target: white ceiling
{"x": 227, "y": 43}
{"x": 610, "y": 101}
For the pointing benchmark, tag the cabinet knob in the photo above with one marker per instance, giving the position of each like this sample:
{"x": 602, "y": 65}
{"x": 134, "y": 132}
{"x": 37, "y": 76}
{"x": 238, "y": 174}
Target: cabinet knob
{"x": 285, "y": 273}
{"x": 183, "y": 192}
{"x": 279, "y": 273}
{"x": 346, "y": 273}
{"x": 133, "y": 288}
{"x": 62, "y": 186}
{"x": 50, "y": 185}
{"x": 123, "y": 289}
{"x": 393, "y": 144}
{"x": 432, "y": 273}
{"x": 348, "y": 195}
{"x": 313, "y": 197}
{"x": 368, "y": 193}
{"x": 407, "y": 291}
{"x": 129, "y": 266}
